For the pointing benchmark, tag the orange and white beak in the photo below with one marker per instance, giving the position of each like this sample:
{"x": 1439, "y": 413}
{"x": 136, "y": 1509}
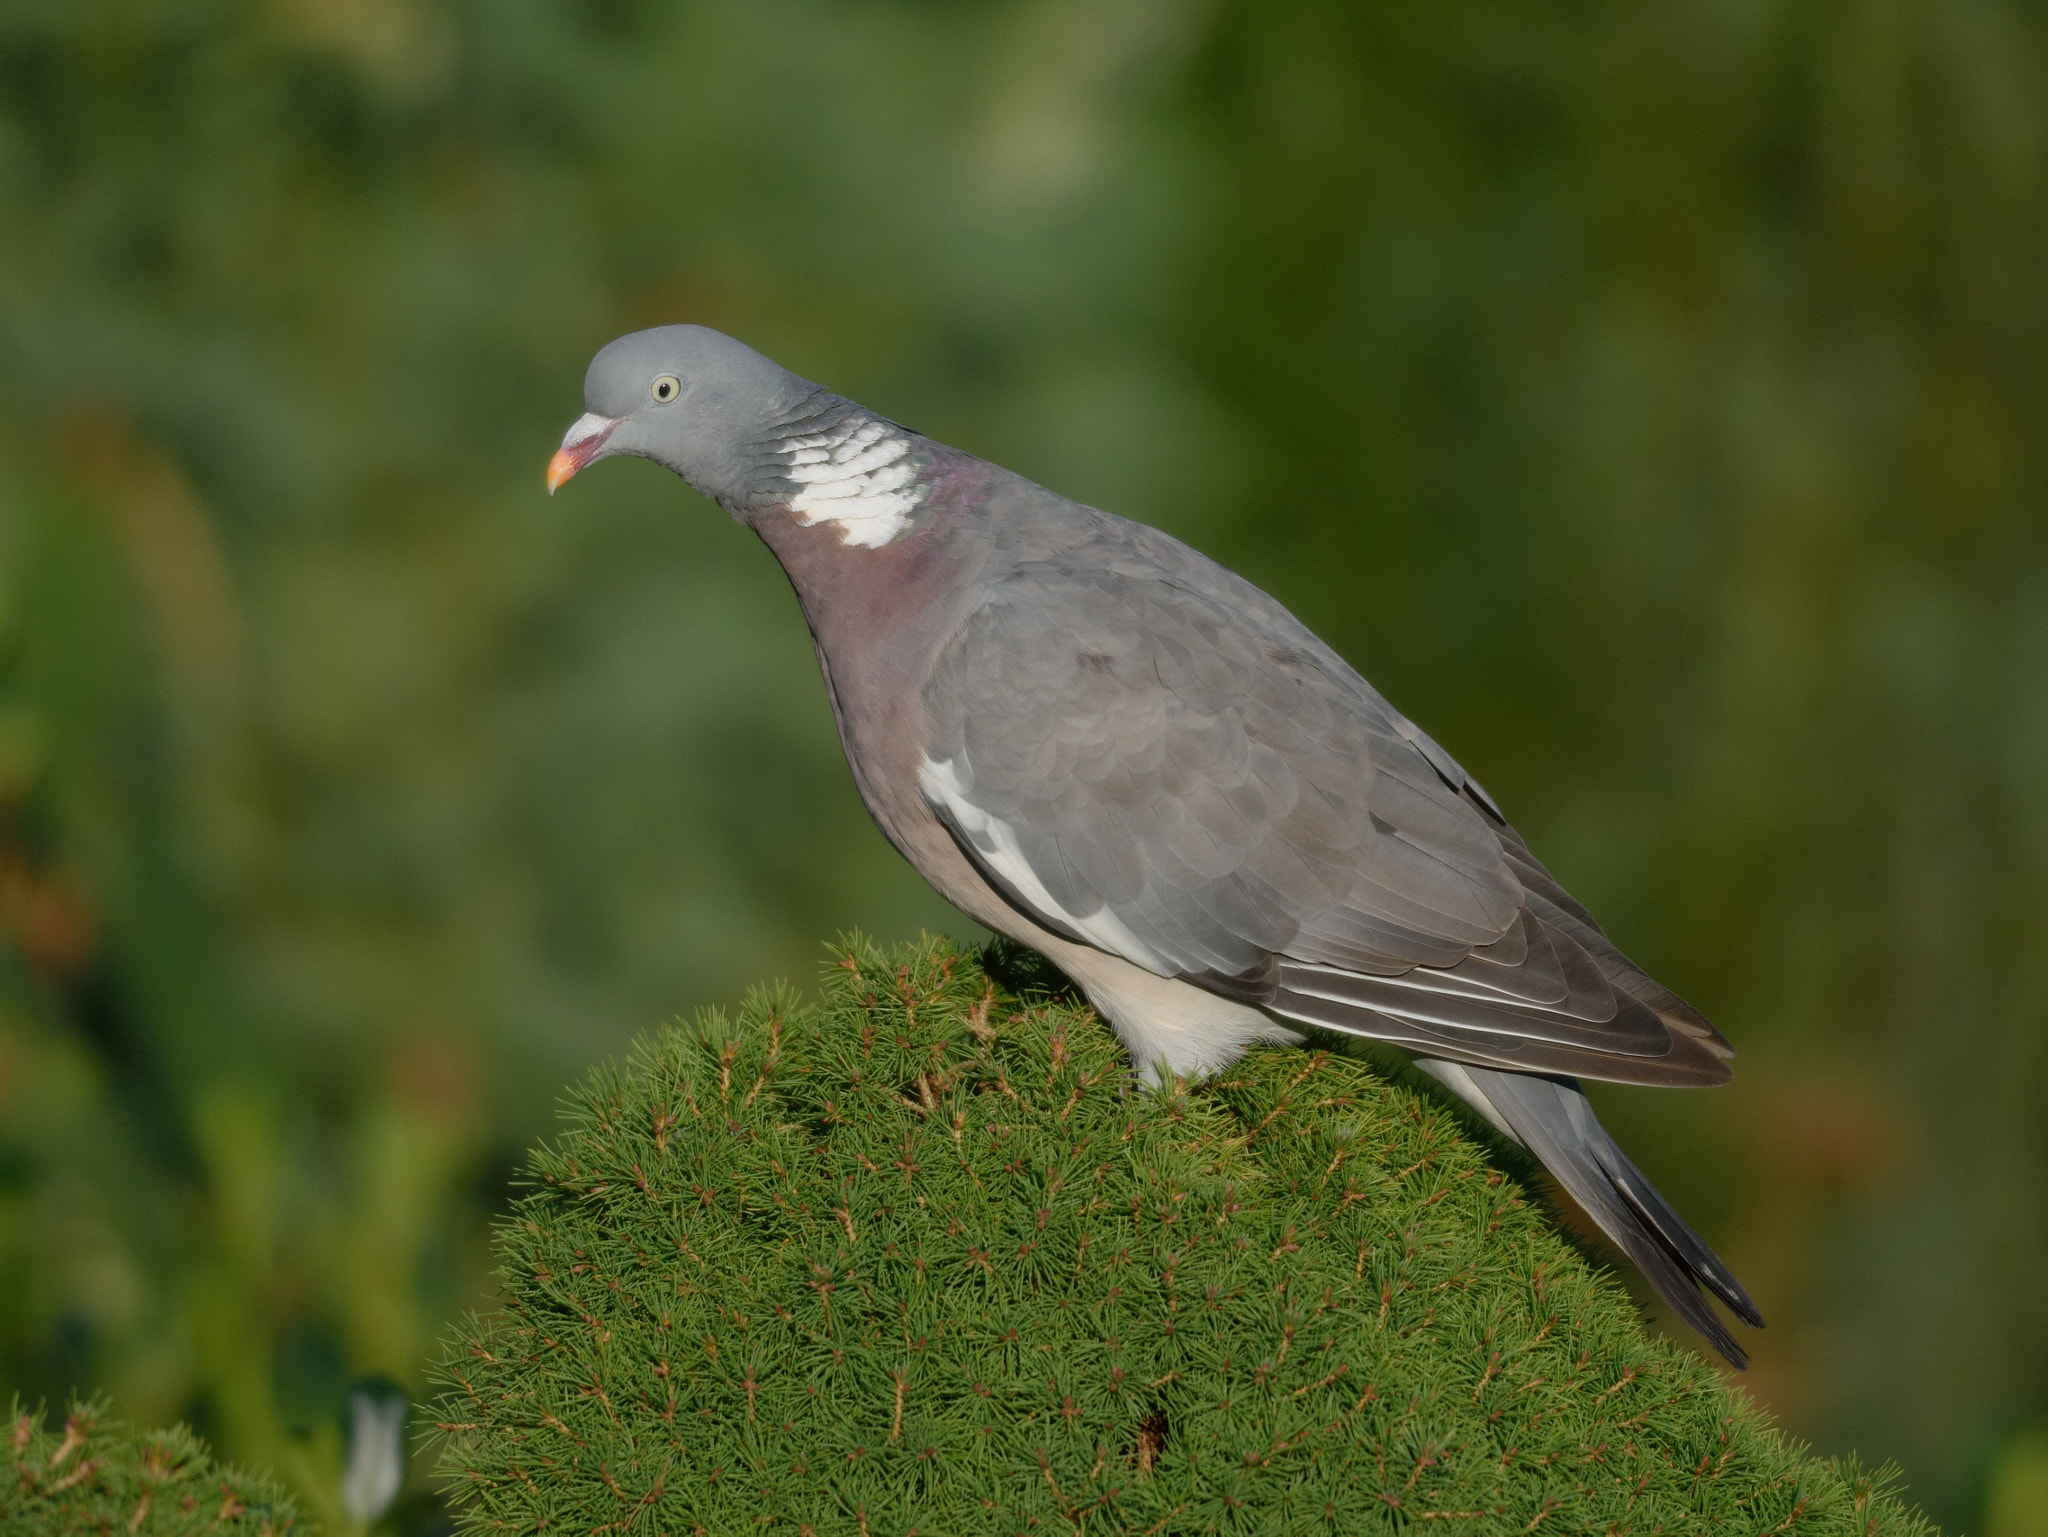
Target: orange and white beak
{"x": 582, "y": 443}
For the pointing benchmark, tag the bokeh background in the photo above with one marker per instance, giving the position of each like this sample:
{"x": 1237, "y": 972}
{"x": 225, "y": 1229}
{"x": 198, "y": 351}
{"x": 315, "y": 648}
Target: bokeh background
{"x": 1650, "y": 395}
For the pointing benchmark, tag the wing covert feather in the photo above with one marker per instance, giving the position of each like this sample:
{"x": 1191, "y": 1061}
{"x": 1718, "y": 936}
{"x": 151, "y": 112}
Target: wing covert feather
{"x": 1219, "y": 791}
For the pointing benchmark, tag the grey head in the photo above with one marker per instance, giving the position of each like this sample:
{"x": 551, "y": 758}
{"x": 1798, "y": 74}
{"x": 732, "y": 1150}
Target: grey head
{"x": 696, "y": 402}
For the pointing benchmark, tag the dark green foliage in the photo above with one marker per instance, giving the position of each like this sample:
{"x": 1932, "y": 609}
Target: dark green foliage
{"x": 924, "y": 1259}
{"x": 97, "y": 1475}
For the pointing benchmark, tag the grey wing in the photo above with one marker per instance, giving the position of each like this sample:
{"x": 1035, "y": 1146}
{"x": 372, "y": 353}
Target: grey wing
{"x": 1201, "y": 789}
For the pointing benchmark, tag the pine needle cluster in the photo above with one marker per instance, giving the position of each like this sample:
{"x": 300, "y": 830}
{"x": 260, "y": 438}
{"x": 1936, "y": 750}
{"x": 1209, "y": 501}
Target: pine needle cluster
{"x": 99, "y": 1476}
{"x": 926, "y": 1260}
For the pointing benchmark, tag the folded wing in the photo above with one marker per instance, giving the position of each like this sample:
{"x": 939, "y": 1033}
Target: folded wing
{"x": 1199, "y": 786}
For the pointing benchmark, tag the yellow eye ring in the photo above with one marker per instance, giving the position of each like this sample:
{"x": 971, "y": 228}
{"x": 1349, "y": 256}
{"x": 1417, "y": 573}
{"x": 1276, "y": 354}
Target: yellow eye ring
{"x": 666, "y": 388}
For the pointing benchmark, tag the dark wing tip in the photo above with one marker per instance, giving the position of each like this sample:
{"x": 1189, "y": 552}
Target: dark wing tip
{"x": 1553, "y": 1120}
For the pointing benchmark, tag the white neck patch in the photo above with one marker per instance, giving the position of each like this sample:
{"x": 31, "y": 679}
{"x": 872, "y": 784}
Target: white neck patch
{"x": 857, "y": 476}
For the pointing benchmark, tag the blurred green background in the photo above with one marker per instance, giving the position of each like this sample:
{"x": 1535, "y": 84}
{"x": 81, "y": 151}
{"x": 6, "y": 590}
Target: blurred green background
{"x": 1652, "y": 398}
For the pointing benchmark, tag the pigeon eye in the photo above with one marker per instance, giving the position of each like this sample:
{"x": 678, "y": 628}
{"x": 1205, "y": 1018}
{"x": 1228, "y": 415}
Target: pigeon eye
{"x": 666, "y": 388}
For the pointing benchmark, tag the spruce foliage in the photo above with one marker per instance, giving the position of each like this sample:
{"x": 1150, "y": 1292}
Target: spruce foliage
{"x": 924, "y": 1259}
{"x": 99, "y": 1476}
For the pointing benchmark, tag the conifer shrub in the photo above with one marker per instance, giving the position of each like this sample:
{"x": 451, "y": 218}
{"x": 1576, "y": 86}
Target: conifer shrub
{"x": 925, "y": 1259}
{"x": 96, "y": 1475}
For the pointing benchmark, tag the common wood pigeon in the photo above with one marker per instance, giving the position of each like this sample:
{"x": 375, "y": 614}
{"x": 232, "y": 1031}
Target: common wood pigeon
{"x": 1097, "y": 741}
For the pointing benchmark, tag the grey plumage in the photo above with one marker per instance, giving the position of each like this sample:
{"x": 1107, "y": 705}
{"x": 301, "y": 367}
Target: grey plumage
{"x": 1099, "y": 742}
{"x": 1551, "y": 1118}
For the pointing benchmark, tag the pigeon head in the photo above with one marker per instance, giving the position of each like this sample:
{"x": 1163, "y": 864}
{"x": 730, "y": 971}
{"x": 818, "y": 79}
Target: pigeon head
{"x": 689, "y": 398}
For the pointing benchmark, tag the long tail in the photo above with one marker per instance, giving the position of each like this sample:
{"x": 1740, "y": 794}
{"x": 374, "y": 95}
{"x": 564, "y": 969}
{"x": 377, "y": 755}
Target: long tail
{"x": 1551, "y": 1118}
